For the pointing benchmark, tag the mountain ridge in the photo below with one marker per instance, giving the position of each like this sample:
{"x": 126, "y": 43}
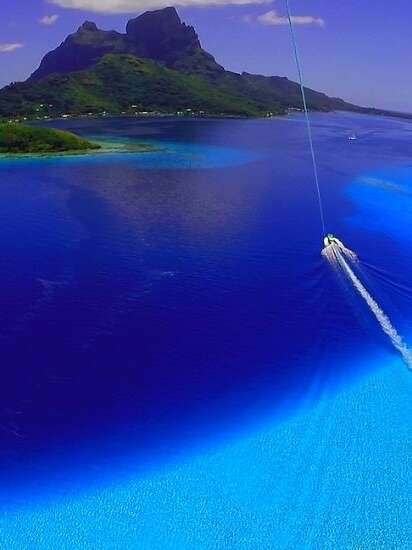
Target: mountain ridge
{"x": 157, "y": 35}
{"x": 158, "y": 65}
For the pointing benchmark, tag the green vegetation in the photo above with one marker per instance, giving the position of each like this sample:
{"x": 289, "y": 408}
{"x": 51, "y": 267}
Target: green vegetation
{"x": 126, "y": 84}
{"x": 20, "y": 139}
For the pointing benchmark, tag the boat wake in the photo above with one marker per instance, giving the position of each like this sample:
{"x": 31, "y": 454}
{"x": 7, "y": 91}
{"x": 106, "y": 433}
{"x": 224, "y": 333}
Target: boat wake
{"x": 340, "y": 257}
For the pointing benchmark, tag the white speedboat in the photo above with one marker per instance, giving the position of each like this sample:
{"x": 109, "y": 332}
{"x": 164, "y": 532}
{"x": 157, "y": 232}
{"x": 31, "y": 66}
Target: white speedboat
{"x": 330, "y": 239}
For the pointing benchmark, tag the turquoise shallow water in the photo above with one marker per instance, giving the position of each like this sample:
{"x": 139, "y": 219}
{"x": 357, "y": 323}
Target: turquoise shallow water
{"x": 173, "y": 155}
{"x": 182, "y": 368}
{"x": 260, "y": 491}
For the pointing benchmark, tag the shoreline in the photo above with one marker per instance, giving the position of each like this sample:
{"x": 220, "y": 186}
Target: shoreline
{"x": 366, "y": 111}
{"x": 105, "y": 148}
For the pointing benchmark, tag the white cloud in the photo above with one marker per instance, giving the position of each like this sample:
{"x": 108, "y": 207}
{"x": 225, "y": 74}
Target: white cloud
{"x": 272, "y": 18}
{"x": 134, "y": 6}
{"x": 8, "y": 48}
{"x": 49, "y": 20}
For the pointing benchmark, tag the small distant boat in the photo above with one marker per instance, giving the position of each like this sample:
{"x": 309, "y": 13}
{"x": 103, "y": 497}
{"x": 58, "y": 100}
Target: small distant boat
{"x": 352, "y": 137}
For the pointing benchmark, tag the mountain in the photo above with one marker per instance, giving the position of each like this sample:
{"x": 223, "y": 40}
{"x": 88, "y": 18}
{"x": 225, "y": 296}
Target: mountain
{"x": 157, "y": 65}
{"x": 158, "y": 35}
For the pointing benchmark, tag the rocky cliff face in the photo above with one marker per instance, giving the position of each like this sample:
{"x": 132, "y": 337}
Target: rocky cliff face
{"x": 159, "y": 35}
{"x": 80, "y": 50}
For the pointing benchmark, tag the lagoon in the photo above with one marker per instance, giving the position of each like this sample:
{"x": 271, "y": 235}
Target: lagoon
{"x": 179, "y": 362}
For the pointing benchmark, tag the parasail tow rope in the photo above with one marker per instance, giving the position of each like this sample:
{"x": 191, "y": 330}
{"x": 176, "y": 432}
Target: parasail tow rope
{"x": 305, "y": 108}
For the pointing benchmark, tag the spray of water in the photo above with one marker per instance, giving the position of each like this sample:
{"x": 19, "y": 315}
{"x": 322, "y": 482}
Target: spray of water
{"x": 339, "y": 256}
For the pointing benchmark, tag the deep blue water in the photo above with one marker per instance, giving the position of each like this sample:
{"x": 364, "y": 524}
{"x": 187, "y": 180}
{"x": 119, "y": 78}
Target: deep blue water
{"x": 156, "y": 305}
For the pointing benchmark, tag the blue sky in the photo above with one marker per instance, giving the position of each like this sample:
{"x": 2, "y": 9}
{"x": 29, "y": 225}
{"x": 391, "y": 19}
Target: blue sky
{"x": 355, "y": 49}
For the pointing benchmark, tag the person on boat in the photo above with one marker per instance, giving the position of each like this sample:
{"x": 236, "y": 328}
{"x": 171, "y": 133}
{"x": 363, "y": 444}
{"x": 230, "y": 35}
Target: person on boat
{"x": 330, "y": 239}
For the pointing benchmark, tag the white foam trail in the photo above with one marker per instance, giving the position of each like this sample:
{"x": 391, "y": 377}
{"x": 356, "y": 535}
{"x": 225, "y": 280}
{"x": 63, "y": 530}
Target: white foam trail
{"x": 335, "y": 253}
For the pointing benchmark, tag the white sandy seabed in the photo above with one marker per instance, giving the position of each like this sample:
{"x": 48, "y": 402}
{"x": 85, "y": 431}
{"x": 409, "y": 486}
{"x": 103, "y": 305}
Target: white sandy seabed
{"x": 335, "y": 476}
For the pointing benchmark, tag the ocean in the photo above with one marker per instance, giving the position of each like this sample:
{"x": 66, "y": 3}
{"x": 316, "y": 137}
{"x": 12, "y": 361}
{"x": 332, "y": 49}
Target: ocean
{"x": 182, "y": 369}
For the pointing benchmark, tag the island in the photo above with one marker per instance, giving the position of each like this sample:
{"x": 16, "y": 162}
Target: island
{"x": 158, "y": 67}
{"x": 19, "y": 139}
